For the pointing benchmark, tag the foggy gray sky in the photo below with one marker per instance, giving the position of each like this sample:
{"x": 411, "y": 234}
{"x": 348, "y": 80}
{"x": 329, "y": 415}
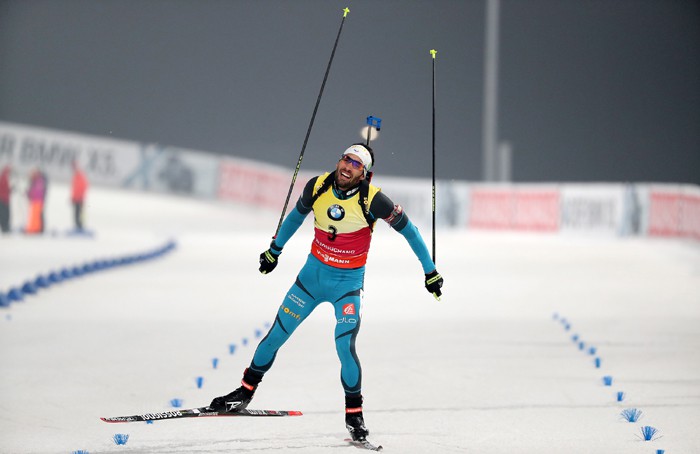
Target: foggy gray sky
{"x": 594, "y": 90}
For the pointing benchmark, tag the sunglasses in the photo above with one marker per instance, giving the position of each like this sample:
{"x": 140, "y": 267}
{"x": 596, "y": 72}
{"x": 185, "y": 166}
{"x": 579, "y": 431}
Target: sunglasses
{"x": 355, "y": 164}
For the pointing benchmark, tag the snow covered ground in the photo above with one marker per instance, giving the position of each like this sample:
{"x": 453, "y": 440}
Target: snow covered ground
{"x": 486, "y": 370}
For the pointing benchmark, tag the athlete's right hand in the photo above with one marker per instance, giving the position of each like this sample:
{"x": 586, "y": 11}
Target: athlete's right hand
{"x": 268, "y": 259}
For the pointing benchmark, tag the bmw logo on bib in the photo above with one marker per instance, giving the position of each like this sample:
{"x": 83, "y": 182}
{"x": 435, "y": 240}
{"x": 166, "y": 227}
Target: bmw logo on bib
{"x": 336, "y": 212}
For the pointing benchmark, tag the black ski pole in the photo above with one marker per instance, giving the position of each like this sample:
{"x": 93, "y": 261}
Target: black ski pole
{"x": 433, "y": 52}
{"x": 311, "y": 123}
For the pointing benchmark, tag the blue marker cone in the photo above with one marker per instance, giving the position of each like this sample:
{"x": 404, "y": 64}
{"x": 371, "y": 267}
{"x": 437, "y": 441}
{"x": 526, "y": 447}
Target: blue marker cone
{"x": 607, "y": 380}
{"x": 42, "y": 282}
{"x": 620, "y": 396}
{"x": 215, "y": 362}
{"x": 232, "y": 349}
{"x": 648, "y": 433}
{"x": 120, "y": 439}
{"x": 597, "y": 363}
{"x": 631, "y": 414}
{"x": 15, "y": 294}
{"x": 29, "y": 288}
{"x": 200, "y": 382}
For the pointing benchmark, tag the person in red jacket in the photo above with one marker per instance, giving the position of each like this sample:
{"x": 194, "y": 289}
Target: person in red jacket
{"x": 78, "y": 189}
{"x": 38, "y": 187}
{"x": 5, "y": 191}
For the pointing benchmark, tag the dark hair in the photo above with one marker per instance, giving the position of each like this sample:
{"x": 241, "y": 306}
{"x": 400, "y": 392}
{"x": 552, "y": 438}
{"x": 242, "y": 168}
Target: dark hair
{"x": 371, "y": 152}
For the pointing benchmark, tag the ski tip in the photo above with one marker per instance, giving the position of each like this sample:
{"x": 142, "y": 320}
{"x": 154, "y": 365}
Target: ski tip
{"x": 119, "y": 419}
{"x": 110, "y": 420}
{"x": 295, "y": 413}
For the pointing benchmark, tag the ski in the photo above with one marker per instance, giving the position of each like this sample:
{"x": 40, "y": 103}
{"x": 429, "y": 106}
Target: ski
{"x": 363, "y": 443}
{"x": 197, "y": 413}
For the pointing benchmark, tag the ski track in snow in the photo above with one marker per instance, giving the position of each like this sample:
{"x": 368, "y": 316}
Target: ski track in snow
{"x": 486, "y": 370}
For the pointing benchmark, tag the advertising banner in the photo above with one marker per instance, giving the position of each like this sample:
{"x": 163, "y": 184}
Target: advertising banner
{"x": 507, "y": 207}
{"x": 665, "y": 210}
{"x": 608, "y": 209}
{"x": 105, "y": 161}
{"x": 174, "y": 170}
{"x": 108, "y": 162}
{"x": 254, "y": 183}
{"x": 674, "y": 211}
{"x": 416, "y": 198}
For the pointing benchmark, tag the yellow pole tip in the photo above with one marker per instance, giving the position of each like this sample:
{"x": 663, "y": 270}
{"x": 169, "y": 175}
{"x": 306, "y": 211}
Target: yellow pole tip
{"x": 346, "y": 11}
{"x": 433, "y": 52}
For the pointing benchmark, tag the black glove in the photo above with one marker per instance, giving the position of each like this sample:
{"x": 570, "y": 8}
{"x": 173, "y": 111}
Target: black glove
{"x": 268, "y": 259}
{"x": 433, "y": 283}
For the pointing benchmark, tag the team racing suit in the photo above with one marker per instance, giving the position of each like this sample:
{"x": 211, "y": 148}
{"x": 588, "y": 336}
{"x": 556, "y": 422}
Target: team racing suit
{"x": 335, "y": 269}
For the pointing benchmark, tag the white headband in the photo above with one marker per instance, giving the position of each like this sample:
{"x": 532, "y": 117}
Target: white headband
{"x": 362, "y": 153}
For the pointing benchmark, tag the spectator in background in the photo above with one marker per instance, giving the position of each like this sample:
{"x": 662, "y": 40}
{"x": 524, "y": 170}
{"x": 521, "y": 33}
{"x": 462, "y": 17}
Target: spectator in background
{"x": 78, "y": 189}
{"x": 37, "y": 196}
{"x": 5, "y": 190}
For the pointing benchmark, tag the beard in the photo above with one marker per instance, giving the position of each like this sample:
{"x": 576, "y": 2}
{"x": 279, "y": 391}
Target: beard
{"x": 344, "y": 183}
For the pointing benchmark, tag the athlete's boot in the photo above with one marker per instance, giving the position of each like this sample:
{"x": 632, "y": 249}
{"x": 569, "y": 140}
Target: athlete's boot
{"x": 354, "y": 421}
{"x": 240, "y": 397}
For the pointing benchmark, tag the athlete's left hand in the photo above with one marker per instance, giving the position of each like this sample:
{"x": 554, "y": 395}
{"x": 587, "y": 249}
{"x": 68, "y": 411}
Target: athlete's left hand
{"x": 433, "y": 283}
{"x": 269, "y": 259}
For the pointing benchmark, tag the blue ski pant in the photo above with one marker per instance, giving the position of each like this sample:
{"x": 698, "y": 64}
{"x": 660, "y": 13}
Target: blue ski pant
{"x": 315, "y": 284}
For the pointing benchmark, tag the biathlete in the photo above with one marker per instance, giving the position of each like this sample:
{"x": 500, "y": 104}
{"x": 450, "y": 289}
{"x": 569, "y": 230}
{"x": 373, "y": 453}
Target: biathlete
{"x": 346, "y": 207}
